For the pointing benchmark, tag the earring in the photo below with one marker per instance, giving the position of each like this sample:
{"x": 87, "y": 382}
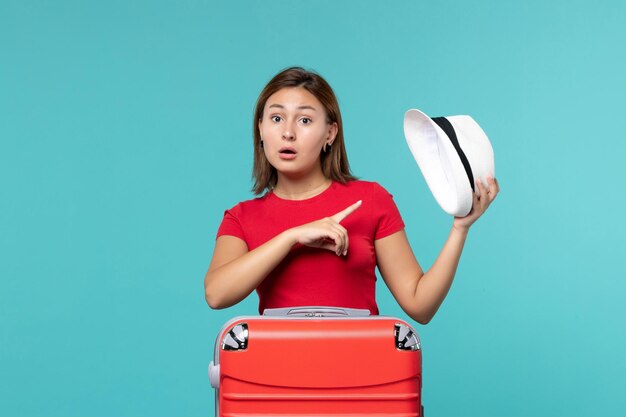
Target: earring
{"x": 261, "y": 143}
{"x": 325, "y": 145}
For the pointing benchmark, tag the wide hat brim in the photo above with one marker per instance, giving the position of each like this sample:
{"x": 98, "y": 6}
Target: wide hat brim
{"x": 444, "y": 165}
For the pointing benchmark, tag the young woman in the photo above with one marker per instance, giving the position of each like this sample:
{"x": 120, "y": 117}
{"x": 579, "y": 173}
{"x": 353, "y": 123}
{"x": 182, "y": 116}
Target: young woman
{"x": 317, "y": 235}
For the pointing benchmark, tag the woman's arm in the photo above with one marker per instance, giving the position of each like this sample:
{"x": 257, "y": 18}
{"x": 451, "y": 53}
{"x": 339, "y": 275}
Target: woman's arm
{"x": 235, "y": 272}
{"x": 420, "y": 294}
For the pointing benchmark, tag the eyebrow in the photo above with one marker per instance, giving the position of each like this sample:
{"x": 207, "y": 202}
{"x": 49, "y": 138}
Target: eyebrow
{"x": 299, "y": 107}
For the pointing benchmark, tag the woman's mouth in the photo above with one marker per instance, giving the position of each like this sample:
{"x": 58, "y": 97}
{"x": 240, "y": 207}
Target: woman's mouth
{"x": 287, "y": 153}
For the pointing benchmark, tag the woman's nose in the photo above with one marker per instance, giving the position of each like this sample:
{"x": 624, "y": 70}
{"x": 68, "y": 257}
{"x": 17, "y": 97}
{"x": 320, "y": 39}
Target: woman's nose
{"x": 288, "y": 133}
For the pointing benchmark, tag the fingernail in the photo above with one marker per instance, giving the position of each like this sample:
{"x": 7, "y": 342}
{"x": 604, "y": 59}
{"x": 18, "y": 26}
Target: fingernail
{"x": 345, "y": 252}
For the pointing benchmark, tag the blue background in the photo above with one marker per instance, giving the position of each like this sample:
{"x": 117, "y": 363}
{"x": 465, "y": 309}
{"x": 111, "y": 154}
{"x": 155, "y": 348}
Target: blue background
{"x": 125, "y": 131}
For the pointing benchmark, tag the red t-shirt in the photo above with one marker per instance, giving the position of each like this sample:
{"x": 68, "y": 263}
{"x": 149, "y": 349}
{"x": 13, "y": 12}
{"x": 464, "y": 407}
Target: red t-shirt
{"x": 311, "y": 276}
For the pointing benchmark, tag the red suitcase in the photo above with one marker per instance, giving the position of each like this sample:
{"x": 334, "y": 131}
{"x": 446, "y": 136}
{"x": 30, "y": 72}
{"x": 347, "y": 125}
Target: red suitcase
{"x": 317, "y": 361}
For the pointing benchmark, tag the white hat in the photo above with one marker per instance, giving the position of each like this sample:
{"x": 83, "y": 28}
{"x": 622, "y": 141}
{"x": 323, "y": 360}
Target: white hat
{"x": 452, "y": 152}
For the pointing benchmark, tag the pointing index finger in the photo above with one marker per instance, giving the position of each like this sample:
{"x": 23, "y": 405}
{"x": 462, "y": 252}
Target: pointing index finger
{"x": 346, "y": 212}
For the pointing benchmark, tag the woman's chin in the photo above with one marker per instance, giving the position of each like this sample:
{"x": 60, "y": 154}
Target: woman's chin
{"x": 294, "y": 173}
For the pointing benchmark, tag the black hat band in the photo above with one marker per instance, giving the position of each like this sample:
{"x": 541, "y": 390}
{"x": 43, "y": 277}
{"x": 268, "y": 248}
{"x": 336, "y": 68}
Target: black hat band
{"x": 447, "y": 127}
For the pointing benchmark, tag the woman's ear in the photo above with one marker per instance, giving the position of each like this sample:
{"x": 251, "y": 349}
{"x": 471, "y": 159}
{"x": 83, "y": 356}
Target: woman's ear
{"x": 332, "y": 133}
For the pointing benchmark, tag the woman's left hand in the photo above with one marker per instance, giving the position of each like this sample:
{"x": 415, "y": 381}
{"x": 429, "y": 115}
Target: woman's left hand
{"x": 482, "y": 199}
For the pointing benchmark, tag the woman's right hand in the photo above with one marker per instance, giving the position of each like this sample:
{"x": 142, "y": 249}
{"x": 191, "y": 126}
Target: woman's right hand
{"x": 326, "y": 233}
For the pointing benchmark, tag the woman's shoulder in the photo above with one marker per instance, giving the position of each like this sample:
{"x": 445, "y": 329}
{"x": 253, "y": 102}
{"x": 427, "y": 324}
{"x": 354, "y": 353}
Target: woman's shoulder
{"x": 371, "y": 187}
{"x": 249, "y": 205}
{"x": 371, "y": 192}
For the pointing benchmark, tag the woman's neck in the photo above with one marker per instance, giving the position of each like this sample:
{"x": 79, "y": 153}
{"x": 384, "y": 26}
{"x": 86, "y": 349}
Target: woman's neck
{"x": 301, "y": 189}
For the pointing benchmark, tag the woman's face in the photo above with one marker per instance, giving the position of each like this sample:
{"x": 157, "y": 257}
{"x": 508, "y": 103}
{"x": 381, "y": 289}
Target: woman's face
{"x": 294, "y": 130}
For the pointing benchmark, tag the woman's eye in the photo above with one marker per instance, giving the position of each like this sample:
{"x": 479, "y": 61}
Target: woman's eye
{"x": 306, "y": 120}
{"x": 275, "y": 119}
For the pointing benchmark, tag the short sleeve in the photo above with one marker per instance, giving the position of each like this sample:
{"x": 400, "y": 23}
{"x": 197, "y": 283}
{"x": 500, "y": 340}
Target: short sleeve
{"x": 389, "y": 218}
{"x": 231, "y": 226}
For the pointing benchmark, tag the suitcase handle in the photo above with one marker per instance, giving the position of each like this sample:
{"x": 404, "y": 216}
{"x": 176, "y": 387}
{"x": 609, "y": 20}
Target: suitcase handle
{"x": 316, "y": 312}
